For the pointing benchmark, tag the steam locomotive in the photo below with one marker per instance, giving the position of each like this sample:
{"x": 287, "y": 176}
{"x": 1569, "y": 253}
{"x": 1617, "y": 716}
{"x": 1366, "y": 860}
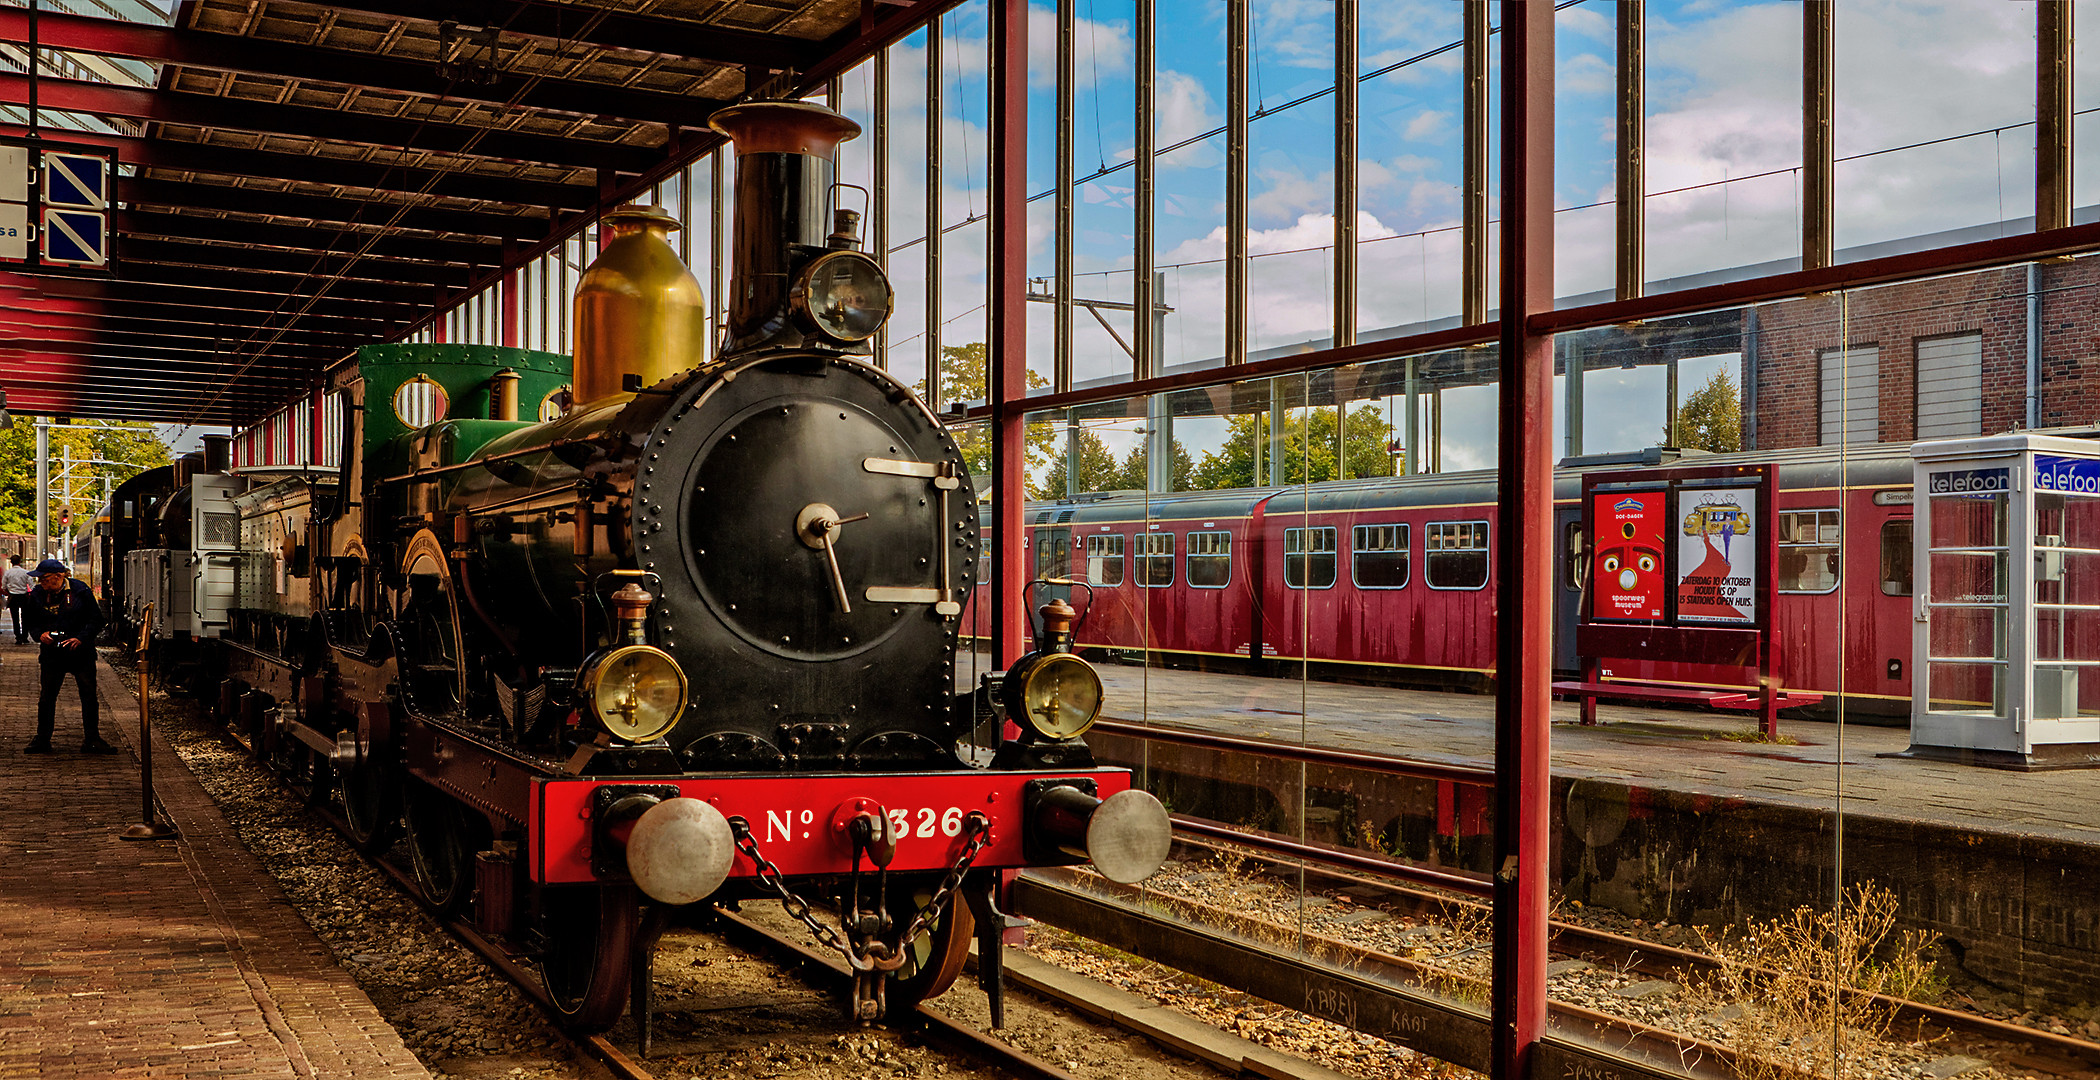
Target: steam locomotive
{"x": 685, "y": 635}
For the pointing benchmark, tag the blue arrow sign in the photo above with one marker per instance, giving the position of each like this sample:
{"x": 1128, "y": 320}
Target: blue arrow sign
{"x": 76, "y": 180}
{"x": 75, "y": 237}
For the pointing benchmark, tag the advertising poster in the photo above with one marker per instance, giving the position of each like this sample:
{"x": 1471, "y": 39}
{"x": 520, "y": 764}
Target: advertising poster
{"x": 1716, "y": 555}
{"x": 1627, "y": 575}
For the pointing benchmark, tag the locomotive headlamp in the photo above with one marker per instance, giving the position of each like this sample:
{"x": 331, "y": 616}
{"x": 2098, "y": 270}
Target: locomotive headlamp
{"x": 1056, "y": 694}
{"x": 635, "y": 692}
{"x": 842, "y": 295}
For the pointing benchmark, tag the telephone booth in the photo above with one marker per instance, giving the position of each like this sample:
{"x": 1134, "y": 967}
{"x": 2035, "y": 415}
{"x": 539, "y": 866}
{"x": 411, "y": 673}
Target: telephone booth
{"x": 2006, "y": 644}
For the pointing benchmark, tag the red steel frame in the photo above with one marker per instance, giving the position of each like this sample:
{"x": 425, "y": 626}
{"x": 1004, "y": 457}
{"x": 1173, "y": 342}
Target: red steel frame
{"x": 1523, "y": 591}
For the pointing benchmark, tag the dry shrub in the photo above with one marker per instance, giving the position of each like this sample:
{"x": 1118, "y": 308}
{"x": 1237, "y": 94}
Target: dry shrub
{"x": 1799, "y": 981}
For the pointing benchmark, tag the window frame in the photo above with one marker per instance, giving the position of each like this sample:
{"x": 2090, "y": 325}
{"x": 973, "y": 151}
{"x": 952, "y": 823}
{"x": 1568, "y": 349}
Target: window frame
{"x": 1122, "y": 548}
{"x": 1839, "y": 546}
{"x": 1405, "y": 550}
{"x": 1909, "y": 526}
{"x": 1140, "y": 542}
{"x": 1486, "y": 548}
{"x": 1334, "y": 549}
{"x": 1189, "y": 558}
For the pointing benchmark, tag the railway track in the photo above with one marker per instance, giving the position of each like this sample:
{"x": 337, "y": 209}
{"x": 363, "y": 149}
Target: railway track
{"x": 2027, "y": 1047}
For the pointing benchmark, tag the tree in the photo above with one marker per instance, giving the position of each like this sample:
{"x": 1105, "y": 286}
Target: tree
{"x": 1711, "y": 418}
{"x": 966, "y": 376}
{"x": 1309, "y": 455}
{"x": 128, "y": 449}
{"x": 1097, "y": 469}
{"x": 1131, "y": 475}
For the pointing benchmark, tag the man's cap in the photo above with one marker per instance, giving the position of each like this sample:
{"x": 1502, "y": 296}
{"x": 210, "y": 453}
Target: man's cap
{"x": 50, "y": 566}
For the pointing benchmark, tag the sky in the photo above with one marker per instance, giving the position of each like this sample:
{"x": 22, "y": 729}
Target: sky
{"x": 1724, "y": 152}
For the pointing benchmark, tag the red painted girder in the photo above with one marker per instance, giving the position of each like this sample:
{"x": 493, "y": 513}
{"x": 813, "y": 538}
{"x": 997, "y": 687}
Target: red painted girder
{"x": 328, "y": 125}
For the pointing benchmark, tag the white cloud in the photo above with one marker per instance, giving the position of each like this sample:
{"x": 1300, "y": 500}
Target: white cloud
{"x": 1427, "y": 124}
{"x": 1100, "y": 50}
{"x": 1185, "y": 108}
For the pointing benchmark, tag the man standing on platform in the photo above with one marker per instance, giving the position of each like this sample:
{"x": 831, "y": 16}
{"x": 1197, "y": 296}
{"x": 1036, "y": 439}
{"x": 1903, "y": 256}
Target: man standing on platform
{"x": 64, "y": 618}
{"x": 15, "y": 583}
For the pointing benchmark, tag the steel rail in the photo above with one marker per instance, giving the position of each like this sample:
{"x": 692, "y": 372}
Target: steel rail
{"x": 2077, "y": 1055}
{"x": 958, "y": 1036}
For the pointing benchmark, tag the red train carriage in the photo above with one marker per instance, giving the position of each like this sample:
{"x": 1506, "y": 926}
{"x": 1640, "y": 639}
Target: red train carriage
{"x": 1387, "y": 579}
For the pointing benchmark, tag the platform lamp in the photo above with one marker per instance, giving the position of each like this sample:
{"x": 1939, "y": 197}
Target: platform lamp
{"x": 149, "y": 826}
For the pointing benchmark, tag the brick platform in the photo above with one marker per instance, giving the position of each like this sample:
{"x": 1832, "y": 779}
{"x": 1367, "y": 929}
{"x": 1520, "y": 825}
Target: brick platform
{"x": 152, "y": 959}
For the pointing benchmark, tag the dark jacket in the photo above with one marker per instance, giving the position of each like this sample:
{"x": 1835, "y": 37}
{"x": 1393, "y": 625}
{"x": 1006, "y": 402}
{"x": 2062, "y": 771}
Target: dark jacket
{"x": 70, "y": 613}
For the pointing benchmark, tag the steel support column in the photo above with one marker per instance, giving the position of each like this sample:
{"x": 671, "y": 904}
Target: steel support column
{"x": 43, "y": 487}
{"x": 1061, "y": 233}
{"x": 1062, "y": 241}
{"x": 1008, "y": 337}
{"x": 934, "y": 32}
{"x": 1147, "y": 323}
{"x": 1473, "y": 195}
{"x": 879, "y": 187}
{"x": 1633, "y": 150}
{"x": 1524, "y": 507}
{"x": 2052, "y": 114}
{"x": 1818, "y": 191}
{"x": 717, "y": 300}
{"x": 1345, "y": 149}
{"x": 1237, "y": 32}
{"x": 507, "y": 296}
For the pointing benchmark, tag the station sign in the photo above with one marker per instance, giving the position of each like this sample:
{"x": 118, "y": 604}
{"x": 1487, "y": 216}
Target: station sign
{"x": 1972, "y": 483}
{"x": 1628, "y": 568}
{"x": 75, "y": 237}
{"x": 14, "y": 203}
{"x": 55, "y": 201}
{"x": 1717, "y": 555}
{"x": 2067, "y": 475}
{"x": 80, "y": 181}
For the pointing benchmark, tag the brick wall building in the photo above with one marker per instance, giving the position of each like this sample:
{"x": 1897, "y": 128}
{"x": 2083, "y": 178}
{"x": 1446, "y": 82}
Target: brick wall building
{"x": 1796, "y": 350}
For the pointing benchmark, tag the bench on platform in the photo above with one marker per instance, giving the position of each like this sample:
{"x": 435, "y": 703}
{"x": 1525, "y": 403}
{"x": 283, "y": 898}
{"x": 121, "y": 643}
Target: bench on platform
{"x": 1747, "y": 650}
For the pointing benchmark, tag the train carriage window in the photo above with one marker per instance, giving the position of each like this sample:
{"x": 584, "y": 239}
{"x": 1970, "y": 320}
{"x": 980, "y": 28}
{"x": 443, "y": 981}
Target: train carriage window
{"x": 1210, "y": 559}
{"x": 1155, "y": 559}
{"x": 1808, "y": 550}
{"x": 1104, "y": 559}
{"x": 1573, "y": 564}
{"x": 1895, "y": 557}
{"x": 1455, "y": 555}
{"x": 1379, "y": 556}
{"x": 1053, "y": 553}
{"x": 1308, "y": 558}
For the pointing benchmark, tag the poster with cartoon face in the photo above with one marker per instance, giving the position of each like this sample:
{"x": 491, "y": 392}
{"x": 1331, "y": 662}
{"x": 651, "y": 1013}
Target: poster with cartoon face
{"x": 1716, "y": 555}
{"x": 1627, "y": 575}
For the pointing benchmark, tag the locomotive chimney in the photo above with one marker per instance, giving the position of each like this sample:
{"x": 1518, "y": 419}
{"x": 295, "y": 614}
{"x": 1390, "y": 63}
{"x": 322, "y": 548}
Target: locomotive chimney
{"x": 784, "y": 168}
{"x": 638, "y": 309}
{"x": 218, "y": 453}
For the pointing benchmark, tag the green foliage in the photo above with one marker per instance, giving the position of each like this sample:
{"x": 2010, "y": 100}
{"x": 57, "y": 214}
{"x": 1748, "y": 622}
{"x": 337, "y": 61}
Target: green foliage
{"x": 130, "y": 448}
{"x": 1711, "y": 418}
{"x": 1100, "y": 471}
{"x": 1309, "y": 454}
{"x": 966, "y": 376}
{"x": 1131, "y": 475}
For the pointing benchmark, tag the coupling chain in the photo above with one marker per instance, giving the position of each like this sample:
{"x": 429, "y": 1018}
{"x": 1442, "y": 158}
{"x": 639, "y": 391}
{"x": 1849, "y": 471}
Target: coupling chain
{"x": 977, "y": 835}
{"x": 769, "y": 876}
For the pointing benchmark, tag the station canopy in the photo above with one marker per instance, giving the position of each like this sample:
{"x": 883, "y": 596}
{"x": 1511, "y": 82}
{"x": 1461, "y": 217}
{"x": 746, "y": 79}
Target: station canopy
{"x": 295, "y": 180}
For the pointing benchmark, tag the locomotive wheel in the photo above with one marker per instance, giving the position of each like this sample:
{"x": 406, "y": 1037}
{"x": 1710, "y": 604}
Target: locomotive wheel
{"x": 934, "y": 961}
{"x": 310, "y": 775}
{"x": 371, "y": 804}
{"x": 589, "y": 953}
{"x": 441, "y": 845}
